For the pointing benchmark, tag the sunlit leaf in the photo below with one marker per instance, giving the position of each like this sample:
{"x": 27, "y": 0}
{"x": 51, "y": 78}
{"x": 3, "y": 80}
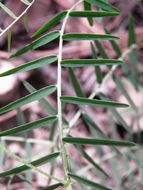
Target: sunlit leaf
{"x": 8, "y": 11}
{"x": 26, "y": 2}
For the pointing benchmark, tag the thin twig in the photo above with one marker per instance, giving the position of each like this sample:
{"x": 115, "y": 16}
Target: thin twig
{"x": 26, "y": 163}
{"x": 59, "y": 103}
{"x": 20, "y": 16}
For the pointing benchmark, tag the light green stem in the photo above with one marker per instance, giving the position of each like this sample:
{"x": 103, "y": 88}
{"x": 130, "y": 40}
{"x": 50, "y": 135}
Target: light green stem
{"x": 26, "y": 163}
{"x": 59, "y": 93}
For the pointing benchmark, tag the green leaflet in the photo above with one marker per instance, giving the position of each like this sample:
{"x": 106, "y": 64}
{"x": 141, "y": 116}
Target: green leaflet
{"x": 132, "y": 35}
{"x": 92, "y": 141}
{"x": 92, "y": 13}
{"x": 133, "y": 56}
{"x": 43, "y": 40}
{"x": 26, "y": 2}
{"x": 87, "y": 7}
{"x": 134, "y": 73}
{"x": 92, "y": 124}
{"x": 43, "y": 101}
{"x": 8, "y": 11}
{"x": 78, "y": 36}
{"x": 55, "y": 186}
{"x": 31, "y": 65}
{"x": 95, "y": 130}
{"x": 115, "y": 46}
{"x": 87, "y": 101}
{"x": 1, "y": 30}
{"x": 101, "y": 50}
{"x": 39, "y": 94}
{"x": 9, "y": 39}
{"x": 75, "y": 83}
{"x": 53, "y": 21}
{"x": 29, "y": 126}
{"x": 103, "y": 5}
{"x": 37, "y": 162}
{"x": 20, "y": 117}
{"x": 89, "y": 62}
{"x": 88, "y": 182}
{"x": 52, "y": 110}
{"x": 120, "y": 85}
{"x": 117, "y": 115}
{"x": 97, "y": 68}
{"x": 26, "y": 22}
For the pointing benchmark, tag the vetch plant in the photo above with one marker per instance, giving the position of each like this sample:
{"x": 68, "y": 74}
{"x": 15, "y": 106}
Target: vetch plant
{"x": 80, "y": 99}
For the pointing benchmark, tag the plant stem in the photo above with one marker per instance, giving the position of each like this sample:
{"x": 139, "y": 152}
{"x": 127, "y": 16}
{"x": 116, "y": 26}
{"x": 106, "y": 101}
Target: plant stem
{"x": 16, "y": 20}
{"x": 59, "y": 93}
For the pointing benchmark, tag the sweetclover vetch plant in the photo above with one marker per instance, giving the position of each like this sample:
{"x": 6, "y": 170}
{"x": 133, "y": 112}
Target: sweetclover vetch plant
{"x": 57, "y": 117}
